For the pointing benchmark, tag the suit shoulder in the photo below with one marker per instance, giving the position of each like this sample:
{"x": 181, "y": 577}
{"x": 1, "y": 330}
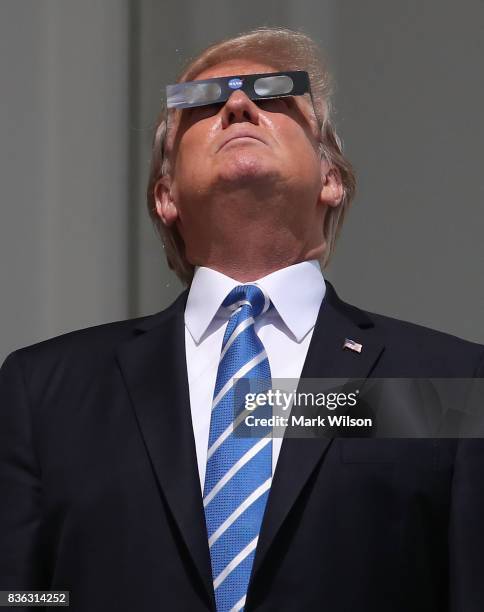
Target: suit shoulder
{"x": 91, "y": 343}
{"x": 416, "y": 332}
{"x": 96, "y": 336}
{"x": 413, "y": 350}
{"x": 444, "y": 352}
{"x": 404, "y": 332}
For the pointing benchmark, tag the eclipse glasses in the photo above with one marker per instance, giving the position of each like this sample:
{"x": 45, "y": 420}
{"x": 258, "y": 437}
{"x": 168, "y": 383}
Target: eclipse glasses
{"x": 255, "y": 87}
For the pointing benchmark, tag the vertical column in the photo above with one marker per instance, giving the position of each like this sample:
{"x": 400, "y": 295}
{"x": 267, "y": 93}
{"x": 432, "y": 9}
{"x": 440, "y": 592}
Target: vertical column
{"x": 86, "y": 97}
{"x": 64, "y": 163}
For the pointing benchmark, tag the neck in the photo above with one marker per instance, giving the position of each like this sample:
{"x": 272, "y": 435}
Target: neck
{"x": 247, "y": 237}
{"x": 255, "y": 257}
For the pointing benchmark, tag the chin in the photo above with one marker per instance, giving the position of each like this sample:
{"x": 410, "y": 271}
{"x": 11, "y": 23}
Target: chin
{"x": 240, "y": 168}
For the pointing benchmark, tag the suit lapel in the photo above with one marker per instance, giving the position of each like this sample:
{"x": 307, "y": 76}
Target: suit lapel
{"x": 326, "y": 358}
{"x": 154, "y": 369}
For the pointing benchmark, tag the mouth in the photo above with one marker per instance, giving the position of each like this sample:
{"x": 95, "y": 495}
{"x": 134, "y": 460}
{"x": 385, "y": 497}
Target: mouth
{"x": 240, "y": 138}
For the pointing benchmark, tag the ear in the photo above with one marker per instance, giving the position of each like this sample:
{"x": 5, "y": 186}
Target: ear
{"x": 332, "y": 186}
{"x": 165, "y": 203}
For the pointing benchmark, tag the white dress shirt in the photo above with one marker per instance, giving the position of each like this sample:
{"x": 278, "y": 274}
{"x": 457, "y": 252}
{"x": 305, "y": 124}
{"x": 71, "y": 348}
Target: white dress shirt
{"x": 285, "y": 331}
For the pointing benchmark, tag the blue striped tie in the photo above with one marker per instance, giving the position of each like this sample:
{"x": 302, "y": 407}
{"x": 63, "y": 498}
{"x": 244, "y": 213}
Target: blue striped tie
{"x": 239, "y": 470}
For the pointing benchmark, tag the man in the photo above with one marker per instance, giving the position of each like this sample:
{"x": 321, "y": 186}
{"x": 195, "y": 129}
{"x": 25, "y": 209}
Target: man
{"x": 124, "y": 483}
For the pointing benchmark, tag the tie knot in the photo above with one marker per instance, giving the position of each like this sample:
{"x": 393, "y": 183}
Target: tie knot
{"x": 248, "y": 295}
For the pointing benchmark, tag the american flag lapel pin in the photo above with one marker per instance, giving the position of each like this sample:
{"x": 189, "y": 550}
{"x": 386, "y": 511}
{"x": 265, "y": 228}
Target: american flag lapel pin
{"x": 352, "y": 345}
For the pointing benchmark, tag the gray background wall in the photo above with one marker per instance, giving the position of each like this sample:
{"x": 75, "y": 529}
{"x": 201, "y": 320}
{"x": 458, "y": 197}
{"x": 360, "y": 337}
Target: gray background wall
{"x": 81, "y": 83}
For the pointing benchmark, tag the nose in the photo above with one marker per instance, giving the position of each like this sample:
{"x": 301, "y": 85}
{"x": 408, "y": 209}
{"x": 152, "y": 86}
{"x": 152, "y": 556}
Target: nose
{"x": 239, "y": 108}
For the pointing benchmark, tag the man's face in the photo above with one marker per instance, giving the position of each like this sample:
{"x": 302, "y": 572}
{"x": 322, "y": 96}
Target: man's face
{"x": 229, "y": 158}
{"x": 243, "y": 139}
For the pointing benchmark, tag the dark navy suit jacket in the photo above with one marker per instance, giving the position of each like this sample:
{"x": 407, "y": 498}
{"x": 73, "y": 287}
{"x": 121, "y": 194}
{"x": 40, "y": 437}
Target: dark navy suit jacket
{"x": 100, "y": 493}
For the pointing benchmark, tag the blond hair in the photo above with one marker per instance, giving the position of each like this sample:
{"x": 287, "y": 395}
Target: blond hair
{"x": 287, "y": 50}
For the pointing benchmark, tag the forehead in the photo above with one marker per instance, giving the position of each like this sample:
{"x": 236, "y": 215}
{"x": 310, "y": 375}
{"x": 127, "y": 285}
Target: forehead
{"x": 234, "y": 67}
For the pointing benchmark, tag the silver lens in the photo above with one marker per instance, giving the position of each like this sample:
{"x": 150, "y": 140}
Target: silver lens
{"x": 187, "y": 94}
{"x": 273, "y": 85}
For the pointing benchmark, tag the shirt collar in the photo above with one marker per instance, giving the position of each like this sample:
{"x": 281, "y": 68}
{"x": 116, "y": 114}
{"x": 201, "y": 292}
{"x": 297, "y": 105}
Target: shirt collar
{"x": 296, "y": 292}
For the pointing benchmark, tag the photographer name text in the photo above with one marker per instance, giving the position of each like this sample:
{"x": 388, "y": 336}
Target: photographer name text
{"x": 302, "y": 421}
